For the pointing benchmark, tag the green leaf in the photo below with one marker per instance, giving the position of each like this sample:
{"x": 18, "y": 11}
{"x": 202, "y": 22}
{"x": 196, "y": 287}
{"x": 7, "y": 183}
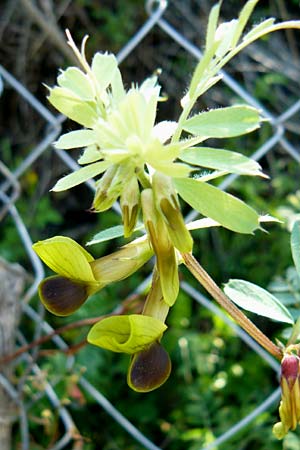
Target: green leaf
{"x": 221, "y": 160}
{"x": 295, "y": 245}
{"x": 126, "y": 334}
{"x": 256, "y": 30}
{"x": 255, "y": 299}
{"x": 243, "y": 19}
{"x": 111, "y": 233}
{"x": 81, "y": 111}
{"x": 80, "y": 176}
{"x": 224, "y": 122}
{"x": 212, "y": 25}
{"x": 104, "y": 67}
{"x": 202, "y": 67}
{"x": 76, "y": 139}
{"x": 210, "y": 201}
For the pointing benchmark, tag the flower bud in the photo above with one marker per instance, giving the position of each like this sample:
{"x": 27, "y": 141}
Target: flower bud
{"x": 110, "y": 186}
{"x": 167, "y": 204}
{"x": 130, "y": 205}
{"x": 289, "y": 409}
{"x": 162, "y": 246}
{"x": 290, "y": 369}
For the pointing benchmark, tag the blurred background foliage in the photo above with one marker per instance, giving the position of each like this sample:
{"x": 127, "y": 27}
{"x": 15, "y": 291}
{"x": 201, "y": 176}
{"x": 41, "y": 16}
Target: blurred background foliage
{"x": 216, "y": 379}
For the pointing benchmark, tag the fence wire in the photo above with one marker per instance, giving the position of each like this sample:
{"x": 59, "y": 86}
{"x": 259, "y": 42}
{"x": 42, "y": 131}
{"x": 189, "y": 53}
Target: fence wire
{"x": 10, "y": 192}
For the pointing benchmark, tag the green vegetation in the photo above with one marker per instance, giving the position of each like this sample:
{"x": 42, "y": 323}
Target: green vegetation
{"x": 216, "y": 380}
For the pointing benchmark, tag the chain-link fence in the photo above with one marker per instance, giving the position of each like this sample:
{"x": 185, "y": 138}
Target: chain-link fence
{"x": 281, "y": 121}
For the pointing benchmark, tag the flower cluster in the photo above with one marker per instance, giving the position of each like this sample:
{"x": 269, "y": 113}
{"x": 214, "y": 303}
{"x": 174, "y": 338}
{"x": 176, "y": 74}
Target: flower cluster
{"x": 140, "y": 163}
{"x": 147, "y": 166}
{"x": 79, "y": 276}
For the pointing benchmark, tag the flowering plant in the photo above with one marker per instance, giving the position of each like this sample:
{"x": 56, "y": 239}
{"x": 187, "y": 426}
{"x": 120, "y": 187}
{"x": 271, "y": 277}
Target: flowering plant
{"x": 148, "y": 167}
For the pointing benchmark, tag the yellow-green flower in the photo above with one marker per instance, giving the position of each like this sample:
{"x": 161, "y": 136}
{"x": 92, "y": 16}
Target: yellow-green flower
{"x": 139, "y": 335}
{"x": 121, "y": 140}
{"x": 127, "y": 151}
{"x": 79, "y": 275}
{"x": 126, "y": 334}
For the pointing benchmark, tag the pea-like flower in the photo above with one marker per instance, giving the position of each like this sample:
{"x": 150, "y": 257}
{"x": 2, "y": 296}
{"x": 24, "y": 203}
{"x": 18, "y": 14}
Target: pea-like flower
{"x": 120, "y": 136}
{"x": 289, "y": 409}
{"x": 139, "y": 335}
{"x": 79, "y": 275}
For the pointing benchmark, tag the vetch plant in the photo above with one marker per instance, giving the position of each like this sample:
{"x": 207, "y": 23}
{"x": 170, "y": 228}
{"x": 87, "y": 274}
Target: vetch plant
{"x": 149, "y": 167}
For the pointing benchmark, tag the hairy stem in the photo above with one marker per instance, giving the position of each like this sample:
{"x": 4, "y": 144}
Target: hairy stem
{"x": 208, "y": 283}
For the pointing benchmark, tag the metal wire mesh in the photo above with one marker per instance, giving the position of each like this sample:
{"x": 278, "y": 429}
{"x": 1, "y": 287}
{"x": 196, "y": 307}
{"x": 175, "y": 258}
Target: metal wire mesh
{"x": 10, "y": 191}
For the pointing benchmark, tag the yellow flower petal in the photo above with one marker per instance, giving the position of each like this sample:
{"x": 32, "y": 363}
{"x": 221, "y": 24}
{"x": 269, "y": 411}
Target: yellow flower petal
{"x": 65, "y": 257}
{"x": 126, "y": 334}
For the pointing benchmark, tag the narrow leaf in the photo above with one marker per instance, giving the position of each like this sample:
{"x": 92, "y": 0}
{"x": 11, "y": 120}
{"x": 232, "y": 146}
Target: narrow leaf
{"x": 295, "y": 245}
{"x": 212, "y": 25}
{"x": 210, "y": 201}
{"x": 243, "y": 19}
{"x": 76, "y": 139}
{"x": 224, "y": 122}
{"x": 207, "y": 223}
{"x": 221, "y": 160}
{"x": 256, "y": 30}
{"x": 111, "y": 233}
{"x": 255, "y": 299}
{"x": 80, "y": 176}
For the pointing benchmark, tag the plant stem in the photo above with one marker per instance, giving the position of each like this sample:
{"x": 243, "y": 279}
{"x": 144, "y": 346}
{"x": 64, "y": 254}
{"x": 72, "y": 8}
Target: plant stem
{"x": 208, "y": 283}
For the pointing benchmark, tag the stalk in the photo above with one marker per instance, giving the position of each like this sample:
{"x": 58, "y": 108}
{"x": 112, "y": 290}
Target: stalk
{"x": 208, "y": 283}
